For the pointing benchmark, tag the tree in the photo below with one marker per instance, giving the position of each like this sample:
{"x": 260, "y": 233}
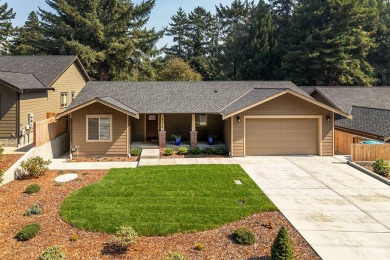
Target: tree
{"x": 109, "y": 36}
{"x": 29, "y": 38}
{"x": 176, "y": 69}
{"x": 178, "y": 29}
{"x": 328, "y": 49}
{"x": 281, "y": 248}
{"x": 6, "y": 28}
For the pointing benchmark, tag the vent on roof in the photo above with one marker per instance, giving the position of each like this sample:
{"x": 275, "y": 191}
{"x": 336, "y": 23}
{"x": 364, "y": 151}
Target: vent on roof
{"x": 215, "y": 91}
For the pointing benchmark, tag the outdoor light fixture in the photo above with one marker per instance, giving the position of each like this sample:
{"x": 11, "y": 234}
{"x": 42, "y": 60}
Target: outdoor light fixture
{"x": 238, "y": 119}
{"x": 328, "y": 118}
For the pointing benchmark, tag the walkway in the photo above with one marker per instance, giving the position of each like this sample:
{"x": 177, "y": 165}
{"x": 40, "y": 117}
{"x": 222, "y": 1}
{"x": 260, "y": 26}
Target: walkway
{"x": 340, "y": 211}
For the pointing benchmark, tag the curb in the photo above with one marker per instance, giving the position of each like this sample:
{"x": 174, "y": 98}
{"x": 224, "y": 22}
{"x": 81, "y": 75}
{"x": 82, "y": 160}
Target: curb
{"x": 364, "y": 170}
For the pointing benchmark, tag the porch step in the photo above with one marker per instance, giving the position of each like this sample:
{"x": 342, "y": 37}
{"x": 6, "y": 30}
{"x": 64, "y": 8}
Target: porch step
{"x": 150, "y": 154}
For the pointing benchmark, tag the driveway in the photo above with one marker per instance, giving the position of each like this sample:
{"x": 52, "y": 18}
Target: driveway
{"x": 340, "y": 211}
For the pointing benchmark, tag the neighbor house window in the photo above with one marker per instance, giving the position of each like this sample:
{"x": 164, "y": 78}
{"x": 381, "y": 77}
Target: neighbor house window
{"x": 99, "y": 128}
{"x": 201, "y": 120}
{"x": 64, "y": 99}
{"x": 73, "y": 95}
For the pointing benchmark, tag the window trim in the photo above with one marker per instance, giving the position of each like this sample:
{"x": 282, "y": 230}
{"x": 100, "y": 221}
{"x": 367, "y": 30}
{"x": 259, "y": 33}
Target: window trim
{"x": 72, "y": 95}
{"x": 64, "y": 105}
{"x": 87, "y": 128}
{"x": 206, "y": 120}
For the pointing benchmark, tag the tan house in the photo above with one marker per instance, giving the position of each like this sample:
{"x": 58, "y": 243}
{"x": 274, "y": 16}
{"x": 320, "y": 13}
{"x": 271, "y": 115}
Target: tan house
{"x": 31, "y": 87}
{"x": 250, "y": 118}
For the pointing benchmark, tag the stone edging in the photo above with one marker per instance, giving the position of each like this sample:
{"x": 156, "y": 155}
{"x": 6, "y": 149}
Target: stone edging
{"x": 368, "y": 172}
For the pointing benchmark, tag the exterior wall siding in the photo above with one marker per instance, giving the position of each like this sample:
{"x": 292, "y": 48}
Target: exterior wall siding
{"x": 227, "y": 134}
{"x": 138, "y": 128}
{"x": 214, "y": 127}
{"x": 8, "y": 112}
{"x": 285, "y": 105}
{"x": 118, "y": 146}
{"x": 178, "y": 124}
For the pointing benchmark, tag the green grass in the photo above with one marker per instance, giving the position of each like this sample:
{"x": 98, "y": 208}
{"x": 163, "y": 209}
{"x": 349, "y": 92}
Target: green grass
{"x": 163, "y": 200}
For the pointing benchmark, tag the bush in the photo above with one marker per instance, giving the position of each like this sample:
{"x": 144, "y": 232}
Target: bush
{"x": 52, "y": 253}
{"x": 175, "y": 256}
{"x": 1, "y": 176}
{"x": 196, "y": 150}
{"x": 1, "y": 153}
{"x": 135, "y": 151}
{"x": 35, "y": 167}
{"x": 34, "y": 209}
{"x": 220, "y": 151}
{"x": 32, "y": 188}
{"x": 199, "y": 246}
{"x": 281, "y": 248}
{"x": 28, "y": 232}
{"x": 208, "y": 150}
{"x": 61, "y": 172}
{"x": 244, "y": 236}
{"x": 73, "y": 237}
{"x": 183, "y": 150}
{"x": 169, "y": 151}
{"x": 124, "y": 237}
{"x": 381, "y": 167}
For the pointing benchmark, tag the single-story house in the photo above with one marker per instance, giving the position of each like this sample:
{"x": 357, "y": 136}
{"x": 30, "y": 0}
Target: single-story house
{"x": 251, "y": 118}
{"x": 31, "y": 87}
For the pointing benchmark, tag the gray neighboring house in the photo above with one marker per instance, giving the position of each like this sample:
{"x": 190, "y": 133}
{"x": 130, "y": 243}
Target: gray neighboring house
{"x": 250, "y": 118}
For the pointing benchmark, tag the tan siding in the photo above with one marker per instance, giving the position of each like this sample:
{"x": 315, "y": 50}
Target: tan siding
{"x": 40, "y": 103}
{"x": 138, "y": 128}
{"x": 285, "y": 105}
{"x": 214, "y": 127}
{"x": 227, "y": 134}
{"x": 7, "y": 112}
{"x": 118, "y": 146}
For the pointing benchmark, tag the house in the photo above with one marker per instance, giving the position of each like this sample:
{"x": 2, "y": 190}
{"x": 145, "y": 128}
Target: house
{"x": 251, "y": 118}
{"x": 369, "y": 107}
{"x": 31, "y": 87}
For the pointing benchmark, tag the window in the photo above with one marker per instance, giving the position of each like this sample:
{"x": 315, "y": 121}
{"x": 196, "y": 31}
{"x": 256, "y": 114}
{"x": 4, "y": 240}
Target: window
{"x": 201, "y": 120}
{"x": 99, "y": 128}
{"x": 64, "y": 99}
{"x": 73, "y": 95}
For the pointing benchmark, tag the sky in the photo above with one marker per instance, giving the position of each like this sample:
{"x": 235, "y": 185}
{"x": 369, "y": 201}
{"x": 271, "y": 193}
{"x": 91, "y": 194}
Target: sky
{"x": 159, "y": 18}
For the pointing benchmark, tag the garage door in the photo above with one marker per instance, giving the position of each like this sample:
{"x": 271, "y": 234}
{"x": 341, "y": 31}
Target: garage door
{"x": 281, "y": 136}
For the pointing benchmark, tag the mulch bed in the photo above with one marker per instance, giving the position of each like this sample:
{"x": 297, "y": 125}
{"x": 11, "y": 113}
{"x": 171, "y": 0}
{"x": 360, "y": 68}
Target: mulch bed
{"x": 177, "y": 155}
{"x": 106, "y": 159}
{"x": 9, "y": 160}
{"x": 54, "y": 231}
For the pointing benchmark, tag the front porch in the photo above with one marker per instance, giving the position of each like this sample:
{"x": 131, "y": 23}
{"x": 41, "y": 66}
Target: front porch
{"x": 170, "y": 144}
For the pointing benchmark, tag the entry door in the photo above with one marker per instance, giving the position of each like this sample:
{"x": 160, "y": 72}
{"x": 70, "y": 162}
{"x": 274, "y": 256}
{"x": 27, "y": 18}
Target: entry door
{"x": 151, "y": 127}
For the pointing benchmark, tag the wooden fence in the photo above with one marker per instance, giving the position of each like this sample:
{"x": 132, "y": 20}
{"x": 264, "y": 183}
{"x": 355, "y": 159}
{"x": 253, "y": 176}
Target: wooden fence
{"x": 344, "y": 140}
{"x": 48, "y": 129}
{"x": 369, "y": 152}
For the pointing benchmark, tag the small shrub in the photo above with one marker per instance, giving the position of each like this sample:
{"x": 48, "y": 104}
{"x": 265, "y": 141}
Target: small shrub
{"x": 34, "y": 209}
{"x": 281, "y": 248}
{"x": 220, "y": 151}
{"x": 32, "y": 188}
{"x": 183, "y": 150}
{"x": 169, "y": 151}
{"x": 175, "y": 256}
{"x": 1, "y": 177}
{"x": 58, "y": 184}
{"x": 196, "y": 150}
{"x": 28, "y": 232}
{"x": 199, "y": 246}
{"x": 244, "y": 236}
{"x": 61, "y": 172}
{"x": 381, "y": 167}
{"x": 135, "y": 151}
{"x": 124, "y": 237}
{"x": 208, "y": 150}
{"x": 1, "y": 153}
{"x": 35, "y": 167}
{"x": 73, "y": 237}
{"x": 52, "y": 253}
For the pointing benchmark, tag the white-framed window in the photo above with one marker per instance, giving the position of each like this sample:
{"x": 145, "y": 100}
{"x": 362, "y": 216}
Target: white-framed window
{"x": 64, "y": 99}
{"x": 99, "y": 128}
{"x": 201, "y": 119}
{"x": 73, "y": 95}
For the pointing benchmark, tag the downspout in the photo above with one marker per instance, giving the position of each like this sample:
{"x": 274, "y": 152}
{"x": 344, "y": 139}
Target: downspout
{"x": 18, "y": 118}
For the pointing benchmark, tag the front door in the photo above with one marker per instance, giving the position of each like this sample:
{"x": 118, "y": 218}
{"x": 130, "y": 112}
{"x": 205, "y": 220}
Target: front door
{"x": 152, "y": 127}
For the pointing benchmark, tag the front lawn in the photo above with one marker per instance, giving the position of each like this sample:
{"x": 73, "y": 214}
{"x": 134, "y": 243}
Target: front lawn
{"x": 163, "y": 200}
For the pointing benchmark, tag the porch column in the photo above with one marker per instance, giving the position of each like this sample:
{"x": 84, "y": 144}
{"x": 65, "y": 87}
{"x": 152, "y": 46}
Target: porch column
{"x": 162, "y": 135}
{"x": 193, "y": 133}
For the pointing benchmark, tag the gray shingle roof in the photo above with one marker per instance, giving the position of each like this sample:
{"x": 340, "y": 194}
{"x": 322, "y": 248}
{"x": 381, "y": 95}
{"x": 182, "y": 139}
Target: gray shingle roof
{"x": 21, "y": 81}
{"x": 45, "y": 68}
{"x": 368, "y": 120}
{"x": 118, "y": 104}
{"x": 180, "y": 97}
{"x": 307, "y": 89}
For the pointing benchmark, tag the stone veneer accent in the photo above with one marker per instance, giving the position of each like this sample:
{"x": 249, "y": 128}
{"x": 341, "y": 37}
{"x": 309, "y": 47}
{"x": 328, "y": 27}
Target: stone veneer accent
{"x": 162, "y": 138}
{"x": 193, "y": 138}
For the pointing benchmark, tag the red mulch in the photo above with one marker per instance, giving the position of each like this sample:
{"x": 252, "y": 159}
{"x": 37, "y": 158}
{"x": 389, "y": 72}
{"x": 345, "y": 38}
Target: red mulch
{"x": 54, "y": 231}
{"x": 106, "y": 159}
{"x": 9, "y": 160}
{"x": 177, "y": 155}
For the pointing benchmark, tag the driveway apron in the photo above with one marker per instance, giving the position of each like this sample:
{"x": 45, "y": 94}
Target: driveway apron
{"x": 341, "y": 212}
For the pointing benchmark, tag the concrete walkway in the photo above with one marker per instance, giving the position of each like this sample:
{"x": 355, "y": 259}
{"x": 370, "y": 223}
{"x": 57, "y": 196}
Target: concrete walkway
{"x": 340, "y": 211}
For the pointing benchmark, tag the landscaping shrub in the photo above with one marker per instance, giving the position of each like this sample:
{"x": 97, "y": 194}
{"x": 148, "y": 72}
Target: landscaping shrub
{"x": 1, "y": 153}
{"x": 1, "y": 176}
{"x": 35, "y": 167}
{"x": 28, "y": 232}
{"x": 175, "y": 256}
{"x": 169, "y": 151}
{"x": 220, "y": 151}
{"x": 73, "y": 237}
{"x": 61, "y": 172}
{"x": 34, "y": 209}
{"x": 32, "y": 188}
{"x": 381, "y": 167}
{"x": 183, "y": 150}
{"x": 208, "y": 150}
{"x": 135, "y": 151}
{"x": 52, "y": 253}
{"x": 196, "y": 150}
{"x": 124, "y": 237}
{"x": 281, "y": 248}
{"x": 199, "y": 246}
{"x": 244, "y": 236}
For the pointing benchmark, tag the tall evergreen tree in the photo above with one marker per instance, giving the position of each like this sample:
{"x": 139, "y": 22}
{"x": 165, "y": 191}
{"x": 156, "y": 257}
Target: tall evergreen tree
{"x": 29, "y": 38}
{"x": 329, "y": 43}
{"x": 109, "y": 36}
{"x": 178, "y": 29}
{"x": 6, "y": 28}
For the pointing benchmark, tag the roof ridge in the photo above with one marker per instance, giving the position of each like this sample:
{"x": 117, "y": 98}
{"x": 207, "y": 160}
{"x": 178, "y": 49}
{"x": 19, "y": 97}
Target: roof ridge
{"x": 370, "y": 108}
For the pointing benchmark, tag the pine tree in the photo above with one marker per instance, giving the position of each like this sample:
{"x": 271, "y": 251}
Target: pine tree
{"x": 178, "y": 29}
{"x": 6, "y": 28}
{"x": 29, "y": 38}
{"x": 109, "y": 36}
{"x": 281, "y": 248}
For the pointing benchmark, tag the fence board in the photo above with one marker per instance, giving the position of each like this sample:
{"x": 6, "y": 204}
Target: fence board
{"x": 48, "y": 129}
{"x": 344, "y": 140}
{"x": 370, "y": 152}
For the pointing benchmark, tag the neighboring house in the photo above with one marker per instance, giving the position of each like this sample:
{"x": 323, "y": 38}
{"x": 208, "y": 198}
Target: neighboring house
{"x": 251, "y": 118}
{"x": 31, "y": 87}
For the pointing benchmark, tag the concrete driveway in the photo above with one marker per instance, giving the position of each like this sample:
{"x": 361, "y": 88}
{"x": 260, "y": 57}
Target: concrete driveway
{"x": 340, "y": 211}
